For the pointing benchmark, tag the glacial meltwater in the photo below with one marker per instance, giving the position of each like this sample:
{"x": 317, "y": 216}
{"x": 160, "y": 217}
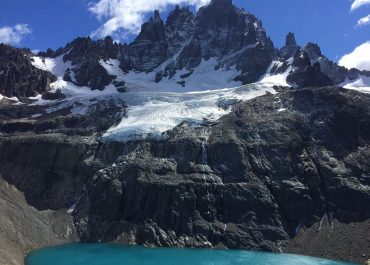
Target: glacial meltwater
{"x": 110, "y": 254}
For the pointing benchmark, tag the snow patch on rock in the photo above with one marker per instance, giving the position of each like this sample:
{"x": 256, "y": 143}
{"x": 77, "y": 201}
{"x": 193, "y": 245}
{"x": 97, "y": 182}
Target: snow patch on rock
{"x": 56, "y": 66}
{"x": 272, "y": 79}
{"x": 361, "y": 84}
{"x": 203, "y": 77}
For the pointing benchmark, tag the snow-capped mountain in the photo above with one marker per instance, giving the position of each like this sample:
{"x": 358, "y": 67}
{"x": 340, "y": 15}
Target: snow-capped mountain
{"x": 199, "y": 133}
{"x": 221, "y": 41}
{"x": 219, "y": 47}
{"x": 307, "y": 66}
{"x": 189, "y": 68}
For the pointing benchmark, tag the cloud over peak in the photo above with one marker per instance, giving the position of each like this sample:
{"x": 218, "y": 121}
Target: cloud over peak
{"x": 14, "y": 34}
{"x": 127, "y": 16}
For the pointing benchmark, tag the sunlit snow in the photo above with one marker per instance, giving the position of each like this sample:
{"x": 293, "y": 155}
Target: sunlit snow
{"x": 14, "y": 99}
{"x": 204, "y": 77}
{"x": 275, "y": 79}
{"x": 151, "y": 114}
{"x": 361, "y": 84}
{"x": 154, "y": 108}
{"x": 54, "y": 65}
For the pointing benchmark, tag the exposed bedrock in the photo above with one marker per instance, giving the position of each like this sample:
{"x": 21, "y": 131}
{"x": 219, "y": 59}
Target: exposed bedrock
{"x": 260, "y": 176}
{"x": 18, "y": 77}
{"x": 272, "y": 169}
{"x": 50, "y": 156}
{"x": 50, "y": 169}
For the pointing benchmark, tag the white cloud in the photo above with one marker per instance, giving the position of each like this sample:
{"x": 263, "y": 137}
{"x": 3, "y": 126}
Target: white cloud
{"x": 359, "y": 3}
{"x": 363, "y": 21}
{"x": 359, "y": 58}
{"x": 14, "y": 34}
{"x": 128, "y": 15}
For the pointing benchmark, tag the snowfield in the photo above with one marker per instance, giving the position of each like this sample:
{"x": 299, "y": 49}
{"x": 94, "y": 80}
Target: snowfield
{"x": 270, "y": 79}
{"x": 54, "y": 65}
{"x": 154, "y": 108}
{"x": 204, "y": 77}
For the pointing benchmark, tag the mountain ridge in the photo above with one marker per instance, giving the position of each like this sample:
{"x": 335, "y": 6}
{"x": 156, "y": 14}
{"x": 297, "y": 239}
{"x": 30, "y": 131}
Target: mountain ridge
{"x": 199, "y": 133}
{"x": 173, "y": 49}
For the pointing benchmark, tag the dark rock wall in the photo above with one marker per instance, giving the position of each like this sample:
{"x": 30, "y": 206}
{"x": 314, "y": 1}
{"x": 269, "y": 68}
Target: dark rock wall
{"x": 276, "y": 165}
{"x": 50, "y": 170}
{"x": 18, "y": 77}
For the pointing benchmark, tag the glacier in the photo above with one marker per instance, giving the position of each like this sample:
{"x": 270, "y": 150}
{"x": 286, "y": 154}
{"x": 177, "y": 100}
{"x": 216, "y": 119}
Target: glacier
{"x": 151, "y": 114}
{"x": 154, "y": 108}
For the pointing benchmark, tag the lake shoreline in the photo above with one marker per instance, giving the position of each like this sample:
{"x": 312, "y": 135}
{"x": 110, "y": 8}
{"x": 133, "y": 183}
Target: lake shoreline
{"x": 111, "y": 253}
{"x": 13, "y": 250}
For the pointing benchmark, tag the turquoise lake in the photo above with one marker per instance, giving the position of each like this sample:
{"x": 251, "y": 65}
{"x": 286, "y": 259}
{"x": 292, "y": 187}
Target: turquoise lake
{"x": 110, "y": 254}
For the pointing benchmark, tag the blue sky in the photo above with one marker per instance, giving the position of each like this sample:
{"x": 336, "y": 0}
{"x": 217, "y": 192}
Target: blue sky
{"x": 53, "y": 23}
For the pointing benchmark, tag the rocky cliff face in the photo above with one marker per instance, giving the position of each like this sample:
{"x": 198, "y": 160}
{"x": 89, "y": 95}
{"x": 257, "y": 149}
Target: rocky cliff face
{"x": 256, "y": 179}
{"x": 18, "y": 77}
{"x": 274, "y": 166}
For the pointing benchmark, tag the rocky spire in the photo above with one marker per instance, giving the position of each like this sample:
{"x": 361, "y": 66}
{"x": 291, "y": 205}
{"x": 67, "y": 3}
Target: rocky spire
{"x": 150, "y": 47}
{"x": 156, "y": 16}
{"x": 291, "y": 47}
{"x": 290, "y": 40}
{"x": 179, "y": 27}
{"x": 178, "y": 17}
{"x": 153, "y": 31}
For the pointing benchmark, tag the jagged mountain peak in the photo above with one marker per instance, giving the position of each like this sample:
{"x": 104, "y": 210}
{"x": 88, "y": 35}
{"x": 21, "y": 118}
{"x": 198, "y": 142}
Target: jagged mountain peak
{"x": 313, "y": 50}
{"x": 219, "y": 10}
{"x": 179, "y": 12}
{"x": 156, "y": 16}
{"x": 290, "y": 39}
{"x": 219, "y": 37}
{"x": 301, "y": 59}
{"x": 153, "y": 30}
{"x": 219, "y": 30}
{"x": 290, "y": 49}
{"x": 179, "y": 19}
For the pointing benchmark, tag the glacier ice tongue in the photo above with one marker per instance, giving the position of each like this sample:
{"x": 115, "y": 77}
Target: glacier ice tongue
{"x": 150, "y": 114}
